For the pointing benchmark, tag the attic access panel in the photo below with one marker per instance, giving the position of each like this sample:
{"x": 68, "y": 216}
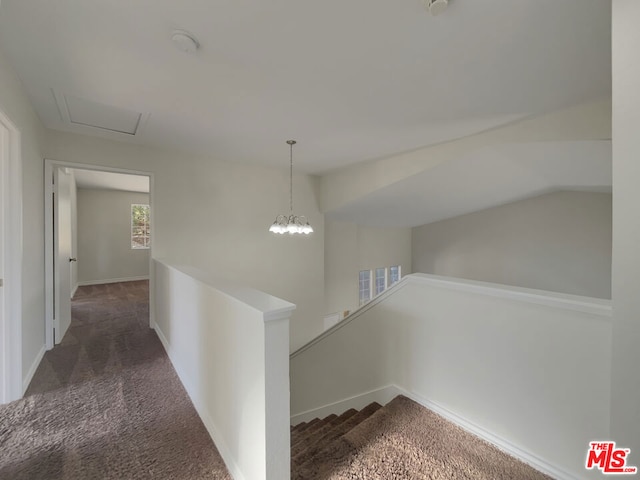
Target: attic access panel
{"x": 98, "y": 115}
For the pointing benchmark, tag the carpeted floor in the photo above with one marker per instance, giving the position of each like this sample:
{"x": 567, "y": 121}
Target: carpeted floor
{"x": 106, "y": 402}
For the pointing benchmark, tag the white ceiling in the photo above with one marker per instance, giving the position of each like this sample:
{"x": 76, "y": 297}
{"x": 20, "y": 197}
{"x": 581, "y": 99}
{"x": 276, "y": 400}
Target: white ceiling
{"x": 486, "y": 178}
{"x": 93, "y": 179}
{"x": 350, "y": 80}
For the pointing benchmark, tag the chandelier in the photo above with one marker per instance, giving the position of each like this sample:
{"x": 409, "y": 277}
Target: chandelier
{"x": 291, "y": 223}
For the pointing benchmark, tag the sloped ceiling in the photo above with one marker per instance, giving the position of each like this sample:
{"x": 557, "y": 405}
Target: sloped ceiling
{"x": 486, "y": 178}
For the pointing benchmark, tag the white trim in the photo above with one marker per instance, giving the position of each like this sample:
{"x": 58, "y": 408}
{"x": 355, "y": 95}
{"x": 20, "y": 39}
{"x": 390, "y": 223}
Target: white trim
{"x": 11, "y": 159}
{"x": 32, "y": 369}
{"x": 85, "y": 129}
{"x": 594, "y": 306}
{"x": 215, "y": 435}
{"x": 399, "y": 267}
{"x": 112, "y": 280}
{"x": 269, "y": 306}
{"x": 74, "y": 289}
{"x": 598, "y": 307}
{"x": 349, "y": 318}
{"x": 48, "y": 255}
{"x": 49, "y": 165}
{"x": 502, "y": 444}
{"x": 152, "y": 276}
{"x": 384, "y": 395}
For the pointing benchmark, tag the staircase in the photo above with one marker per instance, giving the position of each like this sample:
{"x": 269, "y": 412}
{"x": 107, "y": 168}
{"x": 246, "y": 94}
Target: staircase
{"x": 401, "y": 440}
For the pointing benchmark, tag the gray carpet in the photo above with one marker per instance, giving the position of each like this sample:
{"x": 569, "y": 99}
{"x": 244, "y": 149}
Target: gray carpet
{"x": 106, "y": 403}
{"x": 401, "y": 440}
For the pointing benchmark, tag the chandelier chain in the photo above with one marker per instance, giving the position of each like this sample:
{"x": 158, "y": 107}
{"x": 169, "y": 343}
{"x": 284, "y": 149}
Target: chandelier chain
{"x": 291, "y": 142}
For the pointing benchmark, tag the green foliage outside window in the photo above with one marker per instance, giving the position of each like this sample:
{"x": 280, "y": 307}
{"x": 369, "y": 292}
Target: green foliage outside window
{"x": 140, "y": 226}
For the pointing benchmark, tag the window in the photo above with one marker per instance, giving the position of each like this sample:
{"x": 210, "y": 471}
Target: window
{"x": 394, "y": 274}
{"x": 365, "y": 286}
{"x": 381, "y": 280}
{"x": 140, "y": 228}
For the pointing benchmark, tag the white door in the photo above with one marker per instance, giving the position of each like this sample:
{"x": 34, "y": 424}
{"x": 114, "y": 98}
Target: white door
{"x": 62, "y": 252}
{"x": 10, "y": 263}
{"x": 4, "y": 361}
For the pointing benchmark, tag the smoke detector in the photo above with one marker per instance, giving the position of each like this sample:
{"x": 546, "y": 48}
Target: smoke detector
{"x": 184, "y": 41}
{"x": 436, "y": 7}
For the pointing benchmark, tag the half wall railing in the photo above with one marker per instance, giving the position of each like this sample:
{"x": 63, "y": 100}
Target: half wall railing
{"x": 230, "y": 348}
{"x": 527, "y": 370}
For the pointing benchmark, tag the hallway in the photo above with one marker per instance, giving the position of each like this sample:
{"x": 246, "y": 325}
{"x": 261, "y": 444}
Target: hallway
{"x": 106, "y": 402}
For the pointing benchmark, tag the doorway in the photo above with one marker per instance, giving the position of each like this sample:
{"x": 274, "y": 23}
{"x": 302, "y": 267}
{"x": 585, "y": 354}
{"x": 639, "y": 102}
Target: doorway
{"x": 10, "y": 262}
{"x": 70, "y": 263}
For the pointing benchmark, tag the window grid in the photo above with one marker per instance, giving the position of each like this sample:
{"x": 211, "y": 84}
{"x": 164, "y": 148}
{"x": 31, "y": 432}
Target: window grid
{"x": 381, "y": 280}
{"x": 140, "y": 226}
{"x": 394, "y": 274}
{"x": 364, "y": 284}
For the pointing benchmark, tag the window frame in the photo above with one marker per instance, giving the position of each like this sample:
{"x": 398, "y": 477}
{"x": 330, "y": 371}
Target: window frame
{"x": 361, "y": 289}
{"x": 390, "y": 283}
{"x": 146, "y": 228}
{"x": 378, "y": 270}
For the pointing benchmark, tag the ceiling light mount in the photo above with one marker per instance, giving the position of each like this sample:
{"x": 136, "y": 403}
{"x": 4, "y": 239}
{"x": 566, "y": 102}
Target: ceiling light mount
{"x": 185, "y": 41}
{"x": 291, "y": 223}
{"x": 436, "y": 7}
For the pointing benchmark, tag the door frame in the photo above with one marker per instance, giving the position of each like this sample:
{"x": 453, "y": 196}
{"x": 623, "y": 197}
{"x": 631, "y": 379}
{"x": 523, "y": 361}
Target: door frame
{"x": 58, "y": 175}
{"x": 11, "y": 316}
{"x": 49, "y": 166}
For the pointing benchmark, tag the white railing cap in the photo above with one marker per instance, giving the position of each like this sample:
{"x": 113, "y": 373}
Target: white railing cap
{"x": 271, "y": 307}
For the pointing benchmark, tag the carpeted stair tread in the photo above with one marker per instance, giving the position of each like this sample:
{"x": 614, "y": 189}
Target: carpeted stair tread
{"x": 315, "y": 451}
{"x": 308, "y": 424}
{"x": 404, "y": 440}
{"x": 320, "y": 433}
{"x": 313, "y": 429}
{"x": 295, "y": 436}
{"x": 297, "y": 427}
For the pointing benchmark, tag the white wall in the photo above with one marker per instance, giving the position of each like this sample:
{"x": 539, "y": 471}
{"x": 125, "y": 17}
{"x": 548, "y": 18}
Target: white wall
{"x": 524, "y": 368}
{"x": 559, "y": 242}
{"x": 350, "y": 248}
{"x": 625, "y": 392}
{"x": 229, "y": 346}
{"x": 216, "y": 214}
{"x": 104, "y": 237}
{"x": 15, "y": 104}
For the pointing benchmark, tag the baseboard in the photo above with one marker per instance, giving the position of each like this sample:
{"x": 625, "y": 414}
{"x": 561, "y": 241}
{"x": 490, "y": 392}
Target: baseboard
{"x": 499, "y": 442}
{"x": 218, "y": 440}
{"x": 382, "y": 395}
{"x": 74, "y": 290}
{"x": 112, "y": 280}
{"x": 32, "y": 370}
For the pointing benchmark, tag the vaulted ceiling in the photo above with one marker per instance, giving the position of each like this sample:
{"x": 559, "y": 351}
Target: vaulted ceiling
{"x": 350, "y": 80}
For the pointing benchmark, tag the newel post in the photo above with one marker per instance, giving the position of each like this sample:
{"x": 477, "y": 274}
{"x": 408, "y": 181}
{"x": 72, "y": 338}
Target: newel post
{"x": 277, "y": 412}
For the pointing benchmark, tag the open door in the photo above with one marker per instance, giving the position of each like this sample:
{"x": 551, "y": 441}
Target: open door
{"x": 11, "y": 379}
{"x": 4, "y": 373}
{"x": 62, "y": 252}
{"x": 60, "y": 187}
